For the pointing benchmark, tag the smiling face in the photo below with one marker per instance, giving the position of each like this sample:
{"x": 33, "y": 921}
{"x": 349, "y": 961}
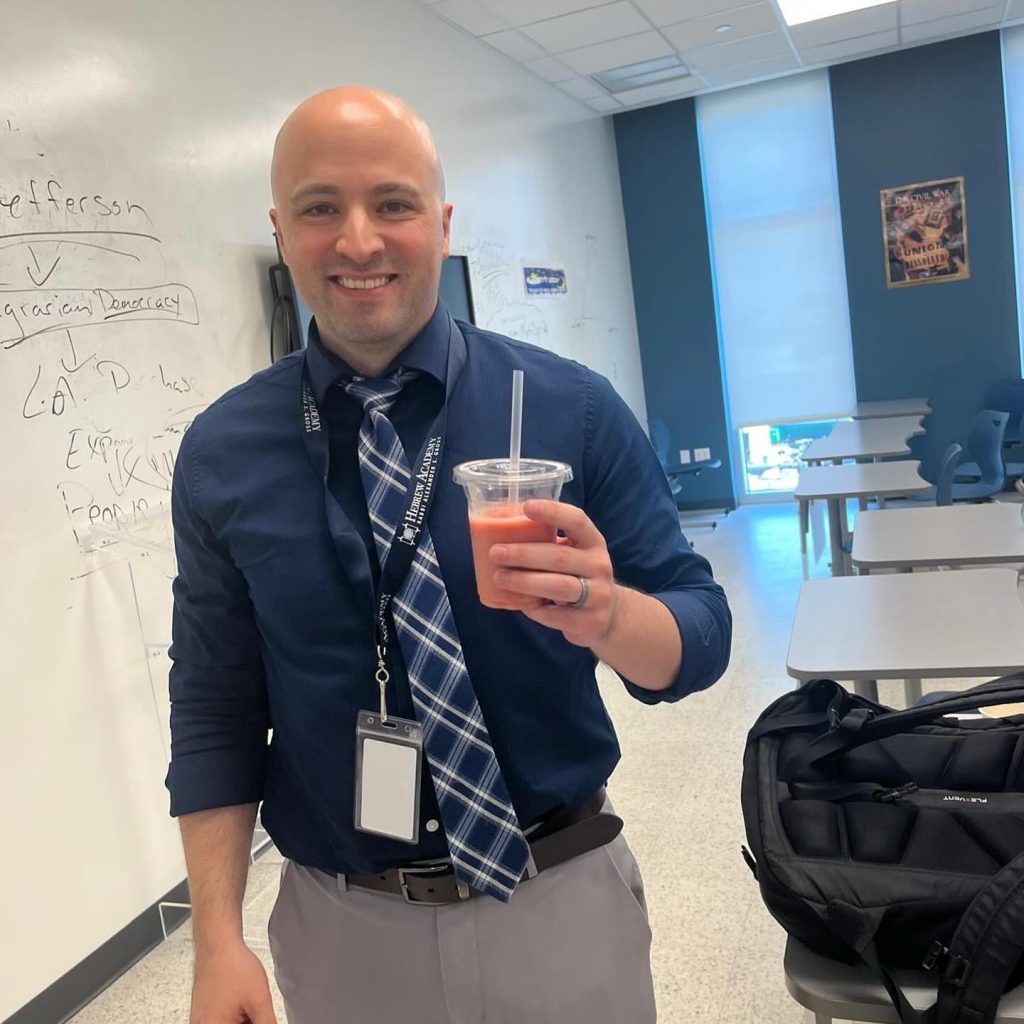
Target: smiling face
{"x": 361, "y": 220}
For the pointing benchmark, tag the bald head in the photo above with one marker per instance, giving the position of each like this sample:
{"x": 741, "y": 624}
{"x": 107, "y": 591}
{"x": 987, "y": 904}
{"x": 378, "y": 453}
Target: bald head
{"x": 361, "y": 219}
{"x": 347, "y": 109}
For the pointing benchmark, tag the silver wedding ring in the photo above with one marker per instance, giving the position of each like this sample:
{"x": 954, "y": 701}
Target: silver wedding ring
{"x": 584, "y": 593}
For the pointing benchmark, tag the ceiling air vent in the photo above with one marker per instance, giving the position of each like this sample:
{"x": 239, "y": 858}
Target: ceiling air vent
{"x": 647, "y": 72}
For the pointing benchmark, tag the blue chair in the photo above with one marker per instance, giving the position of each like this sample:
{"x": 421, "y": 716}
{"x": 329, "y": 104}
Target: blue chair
{"x": 1008, "y": 396}
{"x": 1005, "y": 396}
{"x": 947, "y": 468}
{"x": 985, "y": 446}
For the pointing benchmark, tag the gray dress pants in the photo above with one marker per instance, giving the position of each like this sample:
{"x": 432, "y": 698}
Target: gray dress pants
{"x": 572, "y": 947}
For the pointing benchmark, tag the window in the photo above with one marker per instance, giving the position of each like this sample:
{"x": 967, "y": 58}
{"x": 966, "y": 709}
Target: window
{"x": 777, "y": 259}
{"x": 1013, "y": 85}
{"x": 772, "y": 452}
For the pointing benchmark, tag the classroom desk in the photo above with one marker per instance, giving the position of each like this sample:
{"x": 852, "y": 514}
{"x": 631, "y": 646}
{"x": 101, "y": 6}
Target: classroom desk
{"x": 910, "y": 626}
{"x": 953, "y": 535}
{"x": 891, "y": 407}
{"x": 864, "y": 439}
{"x": 857, "y": 480}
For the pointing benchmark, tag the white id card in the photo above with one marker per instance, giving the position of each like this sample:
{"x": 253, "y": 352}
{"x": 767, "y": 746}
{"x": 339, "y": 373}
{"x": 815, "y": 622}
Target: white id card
{"x": 389, "y": 759}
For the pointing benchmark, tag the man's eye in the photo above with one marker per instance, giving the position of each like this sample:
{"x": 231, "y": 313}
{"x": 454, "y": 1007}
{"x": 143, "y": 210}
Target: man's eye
{"x": 395, "y": 206}
{"x": 318, "y": 210}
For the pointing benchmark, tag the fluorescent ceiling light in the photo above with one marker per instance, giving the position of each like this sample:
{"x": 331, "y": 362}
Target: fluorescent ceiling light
{"x": 647, "y": 72}
{"x": 796, "y": 12}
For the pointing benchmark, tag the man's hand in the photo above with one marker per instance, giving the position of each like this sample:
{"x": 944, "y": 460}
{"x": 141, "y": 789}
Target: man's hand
{"x": 231, "y": 987}
{"x": 552, "y": 571}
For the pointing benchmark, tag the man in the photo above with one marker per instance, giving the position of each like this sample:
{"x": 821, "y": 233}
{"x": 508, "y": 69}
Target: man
{"x": 510, "y": 900}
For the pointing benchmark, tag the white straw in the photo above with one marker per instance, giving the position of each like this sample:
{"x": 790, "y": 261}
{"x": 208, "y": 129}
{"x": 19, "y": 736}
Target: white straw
{"x": 515, "y": 434}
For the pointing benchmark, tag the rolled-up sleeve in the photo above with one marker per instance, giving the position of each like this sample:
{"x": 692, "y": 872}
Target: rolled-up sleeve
{"x": 219, "y": 717}
{"x": 629, "y": 500}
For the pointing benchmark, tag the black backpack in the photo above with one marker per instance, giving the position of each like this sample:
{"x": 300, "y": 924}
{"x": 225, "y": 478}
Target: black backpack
{"x": 895, "y": 838}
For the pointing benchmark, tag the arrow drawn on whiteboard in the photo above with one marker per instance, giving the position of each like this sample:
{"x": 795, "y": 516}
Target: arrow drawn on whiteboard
{"x": 74, "y": 357}
{"x": 46, "y": 276}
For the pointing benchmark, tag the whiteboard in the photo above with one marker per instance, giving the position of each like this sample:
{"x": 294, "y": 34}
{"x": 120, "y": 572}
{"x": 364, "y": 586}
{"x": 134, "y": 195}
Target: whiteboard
{"x": 122, "y": 315}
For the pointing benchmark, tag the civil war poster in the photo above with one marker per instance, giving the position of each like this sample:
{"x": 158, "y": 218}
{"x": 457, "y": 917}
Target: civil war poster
{"x": 924, "y": 230}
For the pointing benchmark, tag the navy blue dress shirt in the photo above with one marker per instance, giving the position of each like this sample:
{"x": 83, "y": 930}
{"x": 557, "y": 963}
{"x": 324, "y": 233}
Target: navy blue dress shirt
{"x": 274, "y": 629}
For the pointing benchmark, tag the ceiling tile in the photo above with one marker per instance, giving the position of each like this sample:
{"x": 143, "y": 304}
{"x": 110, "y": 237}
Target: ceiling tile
{"x": 1015, "y": 10}
{"x": 846, "y": 26}
{"x": 522, "y": 12}
{"x": 914, "y": 11}
{"x": 736, "y": 73}
{"x": 850, "y": 47}
{"x": 605, "y": 104}
{"x": 660, "y": 91}
{"x": 468, "y": 14}
{"x": 618, "y": 53}
{"x": 582, "y": 88}
{"x": 514, "y": 44}
{"x": 668, "y": 12}
{"x": 952, "y": 26}
{"x": 748, "y": 21}
{"x": 549, "y": 69}
{"x": 585, "y": 28}
{"x": 743, "y": 51}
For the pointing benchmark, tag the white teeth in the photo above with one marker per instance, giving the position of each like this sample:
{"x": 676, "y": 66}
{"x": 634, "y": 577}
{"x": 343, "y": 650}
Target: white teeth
{"x": 355, "y": 282}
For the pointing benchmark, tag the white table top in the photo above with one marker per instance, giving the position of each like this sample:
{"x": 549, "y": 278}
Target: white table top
{"x": 861, "y": 480}
{"x": 952, "y": 535}
{"x": 926, "y": 625}
{"x": 891, "y": 407}
{"x": 857, "y": 439}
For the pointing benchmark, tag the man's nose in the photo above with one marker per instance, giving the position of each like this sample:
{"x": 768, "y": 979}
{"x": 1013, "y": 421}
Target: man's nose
{"x": 359, "y": 240}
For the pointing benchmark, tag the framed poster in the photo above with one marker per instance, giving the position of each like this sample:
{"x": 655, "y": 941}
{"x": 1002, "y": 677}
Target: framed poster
{"x": 924, "y": 231}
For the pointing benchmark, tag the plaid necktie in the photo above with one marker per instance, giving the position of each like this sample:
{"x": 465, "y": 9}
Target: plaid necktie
{"x": 484, "y": 838}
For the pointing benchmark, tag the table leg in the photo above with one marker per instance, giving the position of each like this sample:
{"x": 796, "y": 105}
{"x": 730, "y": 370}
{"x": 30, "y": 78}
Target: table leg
{"x": 911, "y": 691}
{"x": 879, "y": 500}
{"x": 845, "y": 535}
{"x": 836, "y": 514}
{"x": 866, "y": 688}
{"x": 804, "y": 517}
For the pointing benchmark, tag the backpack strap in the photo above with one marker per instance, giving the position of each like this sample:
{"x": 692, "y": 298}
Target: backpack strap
{"x": 987, "y": 944}
{"x": 856, "y": 927}
{"x": 862, "y": 725}
{"x": 973, "y": 970}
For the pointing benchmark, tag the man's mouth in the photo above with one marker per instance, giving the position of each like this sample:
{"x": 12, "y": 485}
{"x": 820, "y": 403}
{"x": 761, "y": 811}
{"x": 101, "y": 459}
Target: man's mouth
{"x": 363, "y": 283}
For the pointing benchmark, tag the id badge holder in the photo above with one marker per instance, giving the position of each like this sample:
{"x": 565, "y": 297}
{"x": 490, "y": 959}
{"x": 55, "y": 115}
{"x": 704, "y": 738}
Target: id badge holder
{"x": 389, "y": 763}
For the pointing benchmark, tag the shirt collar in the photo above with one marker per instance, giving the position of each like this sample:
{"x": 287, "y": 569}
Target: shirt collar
{"x": 427, "y": 352}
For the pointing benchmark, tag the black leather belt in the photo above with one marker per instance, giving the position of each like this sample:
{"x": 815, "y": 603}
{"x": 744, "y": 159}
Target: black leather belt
{"x": 564, "y": 837}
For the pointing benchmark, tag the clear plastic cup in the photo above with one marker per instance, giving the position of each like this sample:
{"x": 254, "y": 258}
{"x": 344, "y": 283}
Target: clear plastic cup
{"x": 495, "y": 498}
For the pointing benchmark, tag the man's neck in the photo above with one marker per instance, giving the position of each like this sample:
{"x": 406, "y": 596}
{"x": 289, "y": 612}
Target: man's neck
{"x": 367, "y": 362}
{"x": 372, "y": 358}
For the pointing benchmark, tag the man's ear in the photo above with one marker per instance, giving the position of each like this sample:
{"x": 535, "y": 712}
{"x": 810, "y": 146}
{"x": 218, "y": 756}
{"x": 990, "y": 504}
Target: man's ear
{"x": 446, "y": 227}
{"x": 278, "y": 234}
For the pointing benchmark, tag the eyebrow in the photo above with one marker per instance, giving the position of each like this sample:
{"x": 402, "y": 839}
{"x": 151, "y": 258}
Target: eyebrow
{"x": 321, "y": 188}
{"x": 318, "y": 188}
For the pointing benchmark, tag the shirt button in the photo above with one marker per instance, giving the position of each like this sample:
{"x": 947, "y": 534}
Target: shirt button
{"x": 432, "y": 825}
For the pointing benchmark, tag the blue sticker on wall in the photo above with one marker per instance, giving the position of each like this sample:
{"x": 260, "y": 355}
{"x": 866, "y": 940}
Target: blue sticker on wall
{"x": 544, "y": 281}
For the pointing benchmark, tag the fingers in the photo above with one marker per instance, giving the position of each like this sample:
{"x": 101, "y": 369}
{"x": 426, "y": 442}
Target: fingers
{"x": 581, "y": 552}
{"x": 572, "y": 521}
{"x": 551, "y": 586}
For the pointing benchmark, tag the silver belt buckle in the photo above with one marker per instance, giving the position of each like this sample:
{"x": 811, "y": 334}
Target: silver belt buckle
{"x": 426, "y": 871}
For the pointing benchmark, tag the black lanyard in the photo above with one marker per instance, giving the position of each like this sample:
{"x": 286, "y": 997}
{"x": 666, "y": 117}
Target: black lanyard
{"x": 419, "y": 494}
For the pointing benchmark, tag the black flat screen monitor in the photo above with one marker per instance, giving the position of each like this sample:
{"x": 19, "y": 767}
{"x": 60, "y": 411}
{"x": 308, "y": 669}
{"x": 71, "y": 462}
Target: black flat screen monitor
{"x": 455, "y": 289}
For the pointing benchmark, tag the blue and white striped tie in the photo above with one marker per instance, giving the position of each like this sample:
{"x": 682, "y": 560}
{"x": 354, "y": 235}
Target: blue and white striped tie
{"x": 484, "y": 838}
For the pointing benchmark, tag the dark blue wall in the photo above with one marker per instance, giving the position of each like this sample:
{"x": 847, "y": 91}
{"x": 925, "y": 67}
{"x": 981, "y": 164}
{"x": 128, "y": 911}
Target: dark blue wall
{"x": 663, "y": 199}
{"x": 919, "y": 115}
